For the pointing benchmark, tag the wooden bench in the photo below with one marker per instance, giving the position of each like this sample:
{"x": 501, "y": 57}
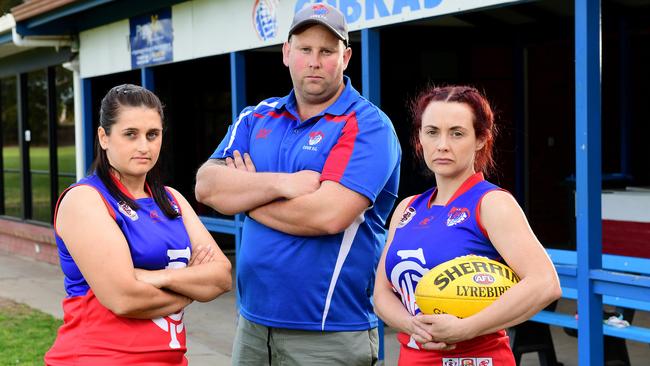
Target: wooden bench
{"x": 624, "y": 282}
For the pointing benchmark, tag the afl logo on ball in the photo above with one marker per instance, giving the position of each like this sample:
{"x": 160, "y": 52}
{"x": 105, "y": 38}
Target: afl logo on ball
{"x": 265, "y": 19}
{"x": 483, "y": 278}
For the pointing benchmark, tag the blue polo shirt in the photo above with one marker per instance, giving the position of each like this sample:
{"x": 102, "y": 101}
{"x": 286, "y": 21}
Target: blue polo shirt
{"x": 322, "y": 283}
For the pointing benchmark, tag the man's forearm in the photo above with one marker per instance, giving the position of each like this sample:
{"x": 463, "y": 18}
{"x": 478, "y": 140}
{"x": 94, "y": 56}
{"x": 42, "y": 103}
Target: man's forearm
{"x": 279, "y": 216}
{"x": 329, "y": 210}
{"x": 231, "y": 191}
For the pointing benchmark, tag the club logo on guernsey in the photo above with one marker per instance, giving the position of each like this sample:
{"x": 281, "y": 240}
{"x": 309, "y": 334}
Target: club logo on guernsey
{"x": 173, "y": 324}
{"x": 457, "y": 215}
{"x": 127, "y": 210}
{"x": 404, "y": 275}
{"x": 315, "y": 137}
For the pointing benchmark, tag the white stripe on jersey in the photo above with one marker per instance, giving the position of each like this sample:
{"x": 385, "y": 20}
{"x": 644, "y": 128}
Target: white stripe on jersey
{"x": 272, "y": 105}
{"x": 241, "y": 116}
{"x": 346, "y": 245}
{"x": 234, "y": 131}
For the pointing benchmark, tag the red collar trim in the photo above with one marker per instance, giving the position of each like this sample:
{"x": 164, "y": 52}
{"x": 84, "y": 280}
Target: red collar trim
{"x": 126, "y": 192}
{"x": 467, "y": 184}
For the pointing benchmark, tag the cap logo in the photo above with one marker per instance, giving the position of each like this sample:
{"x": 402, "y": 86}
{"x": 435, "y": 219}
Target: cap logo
{"x": 320, "y": 9}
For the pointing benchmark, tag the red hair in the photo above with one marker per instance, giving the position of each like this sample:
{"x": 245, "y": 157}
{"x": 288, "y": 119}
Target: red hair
{"x": 484, "y": 126}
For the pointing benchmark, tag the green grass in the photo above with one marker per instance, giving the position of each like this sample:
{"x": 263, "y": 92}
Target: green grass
{"x": 25, "y": 334}
{"x": 39, "y": 160}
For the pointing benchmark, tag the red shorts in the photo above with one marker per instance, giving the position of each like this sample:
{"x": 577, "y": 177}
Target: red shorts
{"x": 487, "y": 350}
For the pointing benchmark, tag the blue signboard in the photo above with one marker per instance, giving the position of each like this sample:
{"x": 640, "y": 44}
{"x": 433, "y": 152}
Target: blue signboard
{"x": 151, "y": 37}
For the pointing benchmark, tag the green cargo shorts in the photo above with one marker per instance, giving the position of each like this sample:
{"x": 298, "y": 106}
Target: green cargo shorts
{"x": 257, "y": 345}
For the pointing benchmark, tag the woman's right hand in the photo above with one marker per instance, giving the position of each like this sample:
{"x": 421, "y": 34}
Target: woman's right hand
{"x": 417, "y": 330}
{"x": 427, "y": 324}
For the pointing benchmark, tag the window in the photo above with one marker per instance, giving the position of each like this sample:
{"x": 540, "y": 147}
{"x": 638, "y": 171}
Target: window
{"x": 33, "y": 177}
{"x": 11, "y": 190}
{"x": 38, "y": 142}
{"x": 65, "y": 149}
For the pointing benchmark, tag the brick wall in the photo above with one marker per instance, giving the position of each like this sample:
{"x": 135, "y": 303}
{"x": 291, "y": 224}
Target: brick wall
{"x": 28, "y": 240}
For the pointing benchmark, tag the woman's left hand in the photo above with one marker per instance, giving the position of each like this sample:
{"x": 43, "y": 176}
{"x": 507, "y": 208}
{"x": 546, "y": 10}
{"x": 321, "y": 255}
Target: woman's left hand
{"x": 202, "y": 254}
{"x": 444, "y": 328}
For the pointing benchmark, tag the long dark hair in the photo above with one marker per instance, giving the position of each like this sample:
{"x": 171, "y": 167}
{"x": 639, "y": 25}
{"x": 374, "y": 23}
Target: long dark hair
{"x": 129, "y": 95}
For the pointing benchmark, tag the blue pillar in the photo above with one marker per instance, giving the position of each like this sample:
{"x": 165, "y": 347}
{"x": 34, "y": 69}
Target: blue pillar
{"x": 370, "y": 76}
{"x": 371, "y": 90}
{"x": 237, "y": 83}
{"x": 146, "y": 78}
{"x": 238, "y": 102}
{"x": 87, "y": 145}
{"x": 588, "y": 179}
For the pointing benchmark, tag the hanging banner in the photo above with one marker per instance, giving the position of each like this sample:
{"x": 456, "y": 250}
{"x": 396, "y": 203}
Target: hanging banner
{"x": 151, "y": 38}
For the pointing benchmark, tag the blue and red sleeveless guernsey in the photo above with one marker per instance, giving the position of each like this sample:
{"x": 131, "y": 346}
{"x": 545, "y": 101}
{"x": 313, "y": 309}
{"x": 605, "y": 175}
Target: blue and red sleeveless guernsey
{"x": 93, "y": 335}
{"x": 324, "y": 282}
{"x": 428, "y": 235}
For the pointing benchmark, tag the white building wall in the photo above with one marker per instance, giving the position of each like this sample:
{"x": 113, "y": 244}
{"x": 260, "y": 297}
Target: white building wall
{"x": 209, "y": 27}
{"x": 105, "y": 50}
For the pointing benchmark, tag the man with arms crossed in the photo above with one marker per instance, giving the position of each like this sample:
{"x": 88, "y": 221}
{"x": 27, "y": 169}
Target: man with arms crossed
{"x": 317, "y": 173}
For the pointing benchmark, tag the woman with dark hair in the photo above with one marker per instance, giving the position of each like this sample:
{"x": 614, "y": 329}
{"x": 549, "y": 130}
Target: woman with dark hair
{"x": 134, "y": 253}
{"x": 453, "y": 133}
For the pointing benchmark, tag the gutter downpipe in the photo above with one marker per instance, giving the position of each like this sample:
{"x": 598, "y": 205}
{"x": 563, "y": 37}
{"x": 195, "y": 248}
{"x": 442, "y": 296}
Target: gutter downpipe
{"x": 79, "y": 146}
{"x": 57, "y": 43}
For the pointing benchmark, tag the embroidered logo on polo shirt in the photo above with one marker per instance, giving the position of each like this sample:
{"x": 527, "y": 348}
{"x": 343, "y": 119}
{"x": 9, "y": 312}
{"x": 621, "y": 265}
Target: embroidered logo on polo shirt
{"x": 263, "y": 133}
{"x": 457, "y": 215}
{"x": 315, "y": 137}
{"x": 127, "y": 210}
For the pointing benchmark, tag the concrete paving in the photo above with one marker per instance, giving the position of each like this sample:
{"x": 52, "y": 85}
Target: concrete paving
{"x": 211, "y": 326}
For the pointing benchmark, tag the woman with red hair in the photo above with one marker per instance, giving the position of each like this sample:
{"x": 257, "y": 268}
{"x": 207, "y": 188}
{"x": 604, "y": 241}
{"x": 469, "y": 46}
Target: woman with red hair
{"x": 453, "y": 134}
